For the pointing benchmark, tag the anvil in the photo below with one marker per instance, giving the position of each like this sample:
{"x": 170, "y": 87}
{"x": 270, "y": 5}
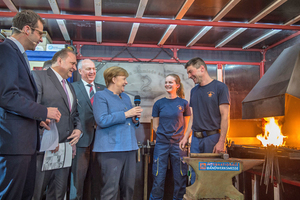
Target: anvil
{"x": 214, "y": 177}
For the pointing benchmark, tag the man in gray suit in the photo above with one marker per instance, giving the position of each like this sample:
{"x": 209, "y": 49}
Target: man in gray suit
{"x": 83, "y": 161}
{"x": 55, "y": 91}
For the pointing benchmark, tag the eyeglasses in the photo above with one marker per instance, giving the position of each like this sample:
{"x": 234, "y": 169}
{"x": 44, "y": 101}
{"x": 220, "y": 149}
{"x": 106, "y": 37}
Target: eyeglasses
{"x": 41, "y": 33}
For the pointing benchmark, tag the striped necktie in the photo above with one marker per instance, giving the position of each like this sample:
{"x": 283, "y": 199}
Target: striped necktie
{"x": 91, "y": 93}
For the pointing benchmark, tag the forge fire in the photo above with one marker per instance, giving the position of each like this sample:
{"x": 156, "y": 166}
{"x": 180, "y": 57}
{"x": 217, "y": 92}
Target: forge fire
{"x": 272, "y": 133}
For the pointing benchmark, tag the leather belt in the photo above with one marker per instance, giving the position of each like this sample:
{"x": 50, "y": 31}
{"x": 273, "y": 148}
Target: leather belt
{"x": 202, "y": 134}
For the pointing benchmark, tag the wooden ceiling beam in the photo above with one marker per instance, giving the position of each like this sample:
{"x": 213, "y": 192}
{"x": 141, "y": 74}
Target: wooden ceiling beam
{"x": 60, "y": 22}
{"x": 219, "y": 16}
{"x": 98, "y": 12}
{"x": 184, "y": 8}
{"x": 275, "y": 4}
{"x": 135, "y": 26}
{"x": 11, "y": 6}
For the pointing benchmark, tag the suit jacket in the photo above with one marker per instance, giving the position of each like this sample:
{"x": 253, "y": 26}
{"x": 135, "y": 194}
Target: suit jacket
{"x": 114, "y": 132}
{"x": 86, "y": 115}
{"x": 19, "y": 111}
{"x": 52, "y": 94}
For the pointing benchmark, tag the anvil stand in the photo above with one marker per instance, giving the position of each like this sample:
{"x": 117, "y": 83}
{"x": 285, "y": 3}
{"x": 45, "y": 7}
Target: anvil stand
{"x": 214, "y": 177}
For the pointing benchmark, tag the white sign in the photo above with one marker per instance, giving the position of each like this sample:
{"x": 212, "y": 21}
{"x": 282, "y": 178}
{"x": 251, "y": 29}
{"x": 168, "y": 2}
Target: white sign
{"x": 55, "y": 47}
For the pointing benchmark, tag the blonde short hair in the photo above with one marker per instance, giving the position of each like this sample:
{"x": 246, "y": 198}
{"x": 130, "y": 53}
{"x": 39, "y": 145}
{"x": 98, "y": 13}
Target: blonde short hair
{"x": 114, "y": 71}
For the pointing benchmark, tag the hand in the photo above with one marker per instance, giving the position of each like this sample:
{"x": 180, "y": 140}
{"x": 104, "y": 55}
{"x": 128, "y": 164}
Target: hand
{"x": 134, "y": 112}
{"x": 75, "y": 135}
{"x": 53, "y": 113}
{"x": 55, "y": 150}
{"x": 219, "y": 148}
{"x": 45, "y": 124}
{"x": 182, "y": 144}
{"x": 134, "y": 120}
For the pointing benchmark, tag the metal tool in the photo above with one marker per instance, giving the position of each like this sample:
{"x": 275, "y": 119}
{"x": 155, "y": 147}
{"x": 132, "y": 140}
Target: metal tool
{"x": 270, "y": 165}
{"x": 224, "y": 156}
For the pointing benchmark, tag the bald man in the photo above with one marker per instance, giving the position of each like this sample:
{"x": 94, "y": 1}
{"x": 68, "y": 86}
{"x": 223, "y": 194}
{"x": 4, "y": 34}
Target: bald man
{"x": 85, "y": 89}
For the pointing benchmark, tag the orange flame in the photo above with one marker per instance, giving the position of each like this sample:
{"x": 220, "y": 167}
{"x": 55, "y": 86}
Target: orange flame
{"x": 272, "y": 135}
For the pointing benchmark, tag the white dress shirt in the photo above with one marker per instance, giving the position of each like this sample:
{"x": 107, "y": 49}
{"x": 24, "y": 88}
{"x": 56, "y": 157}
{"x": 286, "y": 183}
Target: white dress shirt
{"x": 67, "y": 86}
{"x": 87, "y": 88}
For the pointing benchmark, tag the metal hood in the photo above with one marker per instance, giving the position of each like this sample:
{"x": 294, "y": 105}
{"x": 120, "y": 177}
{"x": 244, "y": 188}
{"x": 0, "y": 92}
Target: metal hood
{"x": 268, "y": 98}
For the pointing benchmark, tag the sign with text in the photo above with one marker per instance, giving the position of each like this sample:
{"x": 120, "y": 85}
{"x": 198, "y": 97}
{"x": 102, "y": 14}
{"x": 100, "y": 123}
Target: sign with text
{"x": 219, "y": 166}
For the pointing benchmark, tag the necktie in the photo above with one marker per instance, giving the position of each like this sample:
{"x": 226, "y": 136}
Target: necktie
{"x": 91, "y": 93}
{"x": 27, "y": 61}
{"x": 66, "y": 91}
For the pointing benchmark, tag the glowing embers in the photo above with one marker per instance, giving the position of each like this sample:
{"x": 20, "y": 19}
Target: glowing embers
{"x": 272, "y": 135}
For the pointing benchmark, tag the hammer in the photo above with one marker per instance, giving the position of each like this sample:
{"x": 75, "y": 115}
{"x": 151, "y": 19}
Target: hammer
{"x": 224, "y": 156}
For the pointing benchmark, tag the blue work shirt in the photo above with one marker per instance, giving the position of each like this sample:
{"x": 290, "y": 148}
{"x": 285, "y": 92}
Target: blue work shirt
{"x": 205, "y": 101}
{"x": 171, "y": 114}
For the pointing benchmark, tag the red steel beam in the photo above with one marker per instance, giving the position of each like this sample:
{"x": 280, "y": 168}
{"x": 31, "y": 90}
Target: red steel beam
{"x": 157, "y": 46}
{"x": 127, "y": 59}
{"x": 284, "y": 40}
{"x": 175, "y": 53}
{"x": 262, "y": 65}
{"x": 284, "y": 179}
{"x": 165, "y": 60}
{"x": 158, "y": 21}
{"x": 229, "y": 63}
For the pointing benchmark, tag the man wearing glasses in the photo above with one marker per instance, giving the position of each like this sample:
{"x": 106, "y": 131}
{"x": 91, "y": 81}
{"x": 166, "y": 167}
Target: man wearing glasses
{"x": 20, "y": 115}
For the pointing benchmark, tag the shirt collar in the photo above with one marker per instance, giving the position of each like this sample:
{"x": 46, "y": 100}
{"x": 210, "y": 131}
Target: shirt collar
{"x": 57, "y": 75}
{"x": 85, "y": 83}
{"x": 19, "y": 45}
{"x": 110, "y": 92}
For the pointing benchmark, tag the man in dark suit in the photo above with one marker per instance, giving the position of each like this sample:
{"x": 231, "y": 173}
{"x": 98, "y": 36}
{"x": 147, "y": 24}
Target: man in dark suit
{"x": 54, "y": 90}
{"x": 19, "y": 111}
{"x": 81, "y": 177}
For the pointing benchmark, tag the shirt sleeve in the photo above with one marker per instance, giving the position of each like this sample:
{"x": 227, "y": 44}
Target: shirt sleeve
{"x": 155, "y": 109}
{"x": 187, "y": 110}
{"x": 192, "y": 91}
{"x": 224, "y": 97}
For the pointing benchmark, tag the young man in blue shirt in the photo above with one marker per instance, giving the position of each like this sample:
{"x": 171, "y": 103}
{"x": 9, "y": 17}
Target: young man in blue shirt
{"x": 210, "y": 107}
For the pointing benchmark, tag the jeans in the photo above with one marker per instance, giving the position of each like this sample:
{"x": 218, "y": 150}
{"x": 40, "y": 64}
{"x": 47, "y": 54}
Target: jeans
{"x": 203, "y": 145}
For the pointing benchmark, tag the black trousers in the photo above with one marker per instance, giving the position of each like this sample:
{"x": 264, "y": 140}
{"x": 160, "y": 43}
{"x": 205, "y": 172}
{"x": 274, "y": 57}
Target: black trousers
{"x": 118, "y": 170}
{"x": 17, "y": 176}
{"x": 85, "y": 175}
{"x": 54, "y": 182}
